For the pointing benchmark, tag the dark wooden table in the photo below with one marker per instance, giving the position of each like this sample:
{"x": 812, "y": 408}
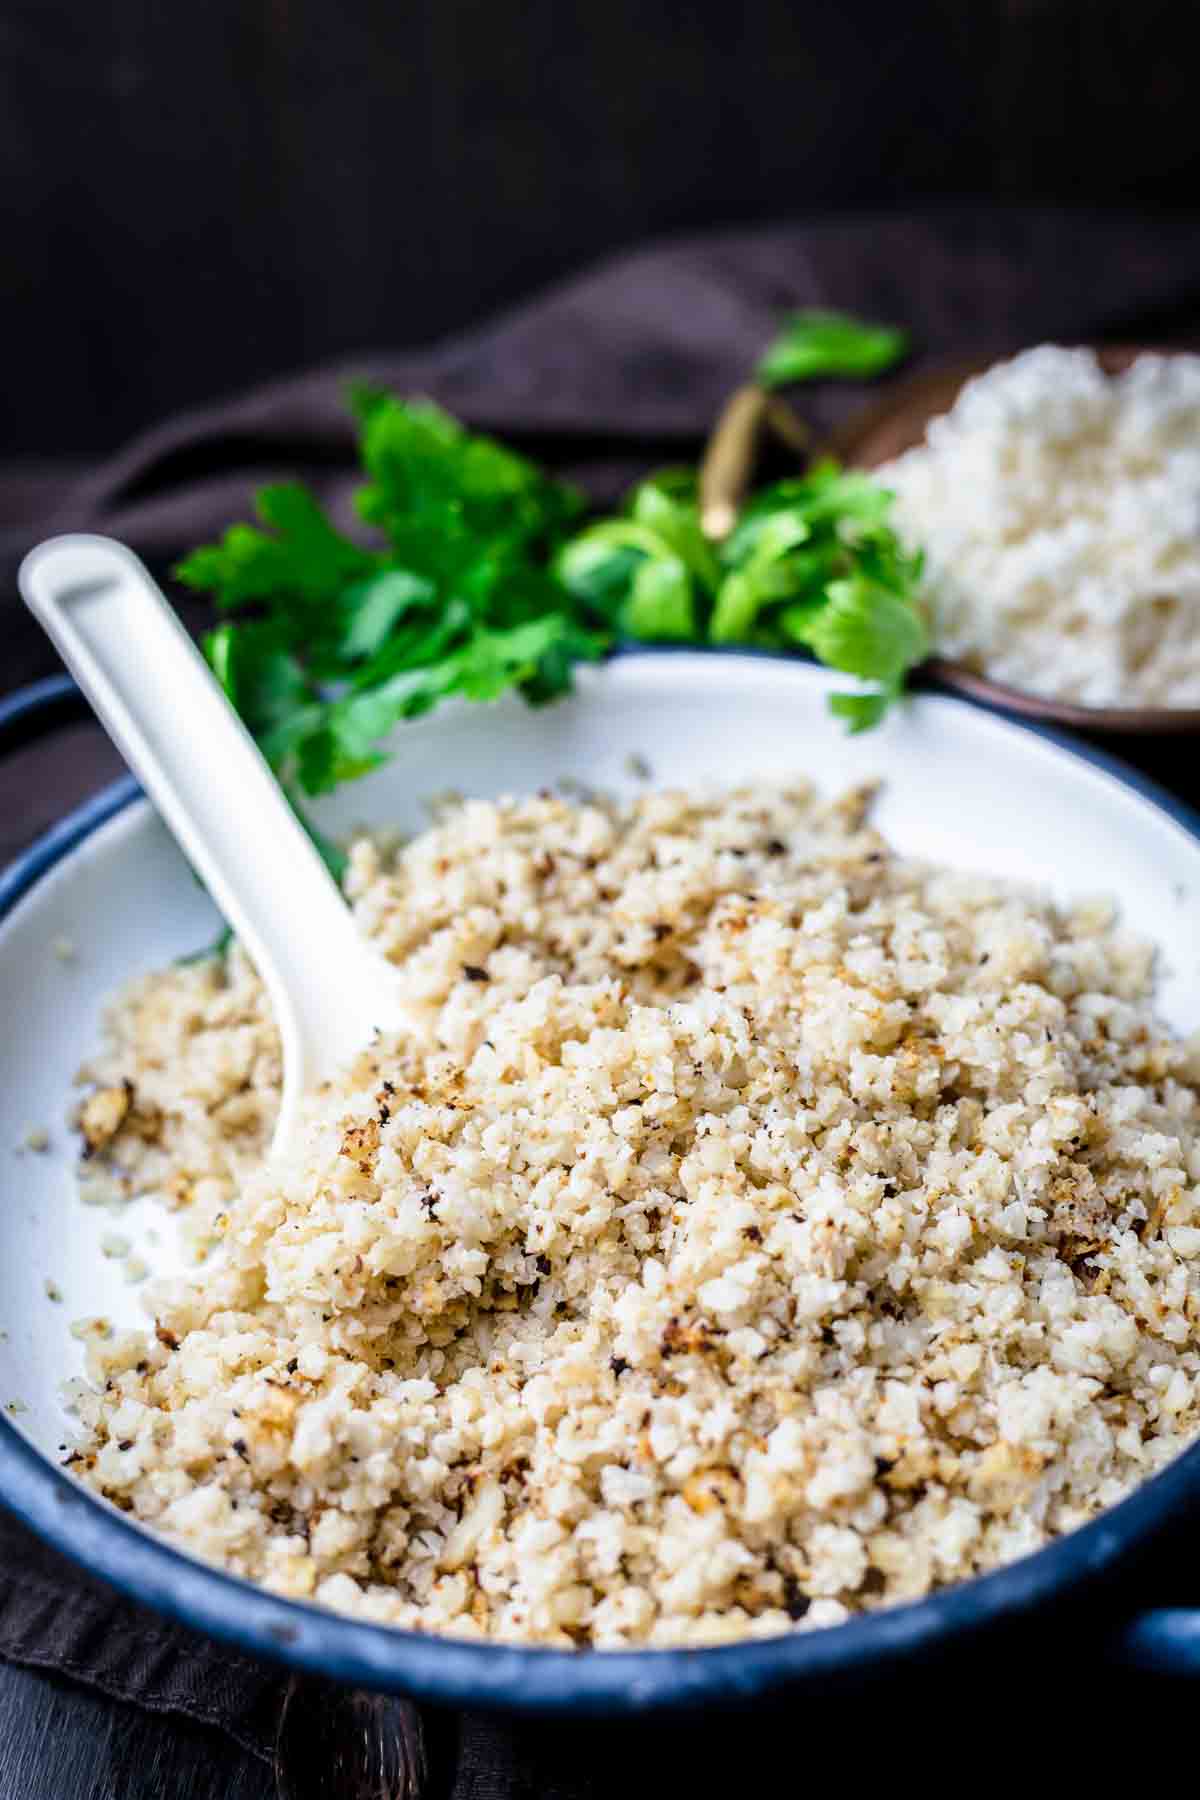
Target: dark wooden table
{"x": 59, "y": 1742}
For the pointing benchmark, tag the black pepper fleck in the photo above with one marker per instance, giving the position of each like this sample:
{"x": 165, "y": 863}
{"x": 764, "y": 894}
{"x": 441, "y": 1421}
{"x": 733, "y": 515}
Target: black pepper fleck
{"x": 795, "y": 1601}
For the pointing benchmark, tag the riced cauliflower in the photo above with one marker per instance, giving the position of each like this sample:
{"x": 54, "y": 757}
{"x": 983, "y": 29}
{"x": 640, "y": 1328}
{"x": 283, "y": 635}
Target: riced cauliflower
{"x": 750, "y": 1228}
{"x": 1059, "y": 511}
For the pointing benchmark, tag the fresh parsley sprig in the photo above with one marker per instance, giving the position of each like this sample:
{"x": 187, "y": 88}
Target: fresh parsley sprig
{"x": 811, "y": 563}
{"x": 816, "y": 344}
{"x": 482, "y": 575}
{"x": 327, "y": 644}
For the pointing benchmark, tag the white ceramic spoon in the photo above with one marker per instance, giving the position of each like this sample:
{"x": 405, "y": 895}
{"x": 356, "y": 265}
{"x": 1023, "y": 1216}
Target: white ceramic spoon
{"x": 156, "y": 697}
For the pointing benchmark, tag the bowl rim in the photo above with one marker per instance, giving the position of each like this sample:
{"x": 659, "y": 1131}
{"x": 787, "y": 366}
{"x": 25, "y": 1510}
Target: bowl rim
{"x": 843, "y": 442}
{"x": 529, "y": 1679}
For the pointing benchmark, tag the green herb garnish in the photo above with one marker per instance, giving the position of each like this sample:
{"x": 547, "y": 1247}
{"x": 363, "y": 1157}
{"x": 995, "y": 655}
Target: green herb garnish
{"x": 329, "y": 644}
{"x": 483, "y": 576}
{"x": 811, "y": 562}
{"x": 814, "y": 345}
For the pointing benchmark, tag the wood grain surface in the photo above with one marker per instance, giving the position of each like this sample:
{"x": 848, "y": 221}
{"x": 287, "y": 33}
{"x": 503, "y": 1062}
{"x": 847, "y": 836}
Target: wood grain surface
{"x": 59, "y": 1742}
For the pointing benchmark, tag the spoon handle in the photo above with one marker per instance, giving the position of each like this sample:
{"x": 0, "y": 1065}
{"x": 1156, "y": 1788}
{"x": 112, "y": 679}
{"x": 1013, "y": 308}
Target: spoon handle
{"x": 155, "y": 695}
{"x": 338, "y": 1743}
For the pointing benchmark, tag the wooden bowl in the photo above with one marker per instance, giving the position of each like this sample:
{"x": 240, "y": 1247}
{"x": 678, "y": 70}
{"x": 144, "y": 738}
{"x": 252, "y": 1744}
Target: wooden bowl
{"x": 896, "y": 423}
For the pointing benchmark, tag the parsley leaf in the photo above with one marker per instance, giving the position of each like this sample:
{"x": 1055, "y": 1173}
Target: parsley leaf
{"x": 862, "y": 712}
{"x": 374, "y": 608}
{"x": 810, "y": 561}
{"x": 866, "y": 630}
{"x": 328, "y": 643}
{"x": 815, "y": 343}
{"x": 301, "y": 556}
{"x": 666, "y": 506}
{"x": 483, "y": 577}
{"x": 641, "y": 571}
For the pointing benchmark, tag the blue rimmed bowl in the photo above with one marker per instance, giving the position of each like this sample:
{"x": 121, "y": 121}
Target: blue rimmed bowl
{"x": 105, "y": 896}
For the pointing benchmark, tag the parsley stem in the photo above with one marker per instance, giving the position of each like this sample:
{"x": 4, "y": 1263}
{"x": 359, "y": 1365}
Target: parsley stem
{"x": 728, "y": 464}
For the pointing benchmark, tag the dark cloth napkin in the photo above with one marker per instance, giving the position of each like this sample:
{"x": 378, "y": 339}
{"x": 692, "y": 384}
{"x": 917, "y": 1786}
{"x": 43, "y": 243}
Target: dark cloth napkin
{"x": 626, "y": 366}
{"x": 601, "y": 378}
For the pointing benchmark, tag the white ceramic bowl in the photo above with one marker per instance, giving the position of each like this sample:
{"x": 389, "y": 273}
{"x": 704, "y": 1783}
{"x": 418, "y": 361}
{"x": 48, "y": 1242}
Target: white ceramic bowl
{"x": 960, "y": 785}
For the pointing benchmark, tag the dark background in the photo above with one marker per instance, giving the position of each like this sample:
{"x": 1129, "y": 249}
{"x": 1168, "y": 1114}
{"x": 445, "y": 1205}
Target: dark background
{"x": 196, "y": 196}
